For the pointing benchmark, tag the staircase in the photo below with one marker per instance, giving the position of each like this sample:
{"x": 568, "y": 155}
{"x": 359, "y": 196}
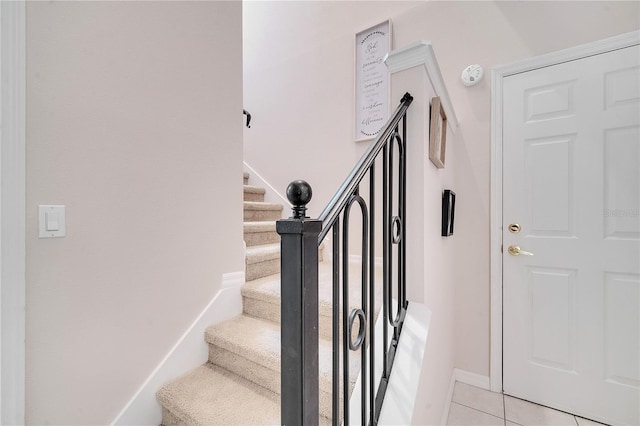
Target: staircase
{"x": 263, "y": 243}
{"x": 240, "y": 383}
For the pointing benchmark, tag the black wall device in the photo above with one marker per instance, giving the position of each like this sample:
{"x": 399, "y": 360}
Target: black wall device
{"x": 448, "y": 211}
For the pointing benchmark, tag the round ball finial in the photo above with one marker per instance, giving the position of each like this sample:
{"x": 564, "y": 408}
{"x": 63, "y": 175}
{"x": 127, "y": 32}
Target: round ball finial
{"x": 299, "y": 194}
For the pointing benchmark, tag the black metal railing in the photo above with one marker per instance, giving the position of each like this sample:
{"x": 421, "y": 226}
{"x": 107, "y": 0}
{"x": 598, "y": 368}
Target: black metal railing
{"x": 300, "y": 240}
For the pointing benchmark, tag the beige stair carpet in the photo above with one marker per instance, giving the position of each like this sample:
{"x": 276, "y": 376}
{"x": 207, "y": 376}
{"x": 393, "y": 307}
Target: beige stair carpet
{"x": 250, "y": 347}
{"x": 261, "y": 297}
{"x": 260, "y": 233}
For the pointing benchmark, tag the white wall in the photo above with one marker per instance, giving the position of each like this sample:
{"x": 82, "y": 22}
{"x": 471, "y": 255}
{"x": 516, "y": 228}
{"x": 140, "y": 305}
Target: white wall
{"x": 134, "y": 123}
{"x": 299, "y": 86}
{"x": 430, "y": 263}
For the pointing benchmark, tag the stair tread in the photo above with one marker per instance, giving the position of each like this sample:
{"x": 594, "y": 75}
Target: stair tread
{"x": 268, "y": 288}
{"x": 260, "y": 205}
{"x": 262, "y": 253}
{"x": 259, "y": 340}
{"x": 263, "y": 226}
{"x": 210, "y": 395}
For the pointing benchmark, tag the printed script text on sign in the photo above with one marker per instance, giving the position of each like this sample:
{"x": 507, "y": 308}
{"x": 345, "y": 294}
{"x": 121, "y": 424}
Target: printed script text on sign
{"x": 372, "y": 80}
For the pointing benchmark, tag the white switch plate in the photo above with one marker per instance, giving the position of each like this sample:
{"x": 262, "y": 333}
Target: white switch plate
{"x": 51, "y": 217}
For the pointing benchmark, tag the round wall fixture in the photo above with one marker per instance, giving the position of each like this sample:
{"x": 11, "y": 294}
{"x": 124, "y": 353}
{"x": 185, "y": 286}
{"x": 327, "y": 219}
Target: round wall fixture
{"x": 471, "y": 75}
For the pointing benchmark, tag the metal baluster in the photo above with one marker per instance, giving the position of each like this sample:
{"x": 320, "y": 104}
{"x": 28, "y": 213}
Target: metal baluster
{"x": 392, "y": 318}
{"x": 372, "y": 295}
{"x": 363, "y": 302}
{"x": 385, "y": 256}
{"x": 345, "y": 310}
{"x": 404, "y": 212}
{"x": 335, "y": 335}
{"x": 399, "y": 242}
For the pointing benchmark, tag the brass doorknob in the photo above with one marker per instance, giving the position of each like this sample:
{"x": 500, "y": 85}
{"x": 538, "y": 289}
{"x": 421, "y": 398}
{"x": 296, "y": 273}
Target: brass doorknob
{"x": 515, "y": 251}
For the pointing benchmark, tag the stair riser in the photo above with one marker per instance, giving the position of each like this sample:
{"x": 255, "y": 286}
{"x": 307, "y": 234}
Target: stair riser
{"x": 243, "y": 367}
{"x": 262, "y": 269}
{"x": 271, "y": 312}
{"x": 262, "y": 215}
{"x": 260, "y": 238}
{"x": 262, "y": 376}
{"x": 252, "y": 196}
{"x": 269, "y": 253}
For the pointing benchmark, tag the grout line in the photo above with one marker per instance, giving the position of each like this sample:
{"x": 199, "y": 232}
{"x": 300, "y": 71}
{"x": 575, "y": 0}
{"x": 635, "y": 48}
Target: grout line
{"x": 504, "y": 409}
{"x": 476, "y": 409}
{"x": 504, "y": 401}
{"x": 548, "y": 408}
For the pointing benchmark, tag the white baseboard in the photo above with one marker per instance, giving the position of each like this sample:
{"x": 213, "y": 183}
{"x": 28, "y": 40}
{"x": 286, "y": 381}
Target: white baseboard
{"x": 189, "y": 352}
{"x": 447, "y": 403}
{"x": 472, "y": 379}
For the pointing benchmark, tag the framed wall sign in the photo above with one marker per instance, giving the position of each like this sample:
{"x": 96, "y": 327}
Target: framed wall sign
{"x": 372, "y": 80}
{"x": 437, "y": 133}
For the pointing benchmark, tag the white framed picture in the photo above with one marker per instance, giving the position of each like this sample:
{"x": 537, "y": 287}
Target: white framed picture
{"x": 371, "y": 80}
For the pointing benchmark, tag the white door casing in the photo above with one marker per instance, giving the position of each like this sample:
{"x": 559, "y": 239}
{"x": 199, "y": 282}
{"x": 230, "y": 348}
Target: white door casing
{"x": 571, "y": 180}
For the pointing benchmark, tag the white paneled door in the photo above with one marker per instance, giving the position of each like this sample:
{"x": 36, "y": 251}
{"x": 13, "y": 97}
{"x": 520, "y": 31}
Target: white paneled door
{"x": 571, "y": 228}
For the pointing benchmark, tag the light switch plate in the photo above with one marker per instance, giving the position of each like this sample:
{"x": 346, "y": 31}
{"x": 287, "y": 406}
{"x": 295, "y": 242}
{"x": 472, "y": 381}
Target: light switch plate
{"x": 53, "y": 218}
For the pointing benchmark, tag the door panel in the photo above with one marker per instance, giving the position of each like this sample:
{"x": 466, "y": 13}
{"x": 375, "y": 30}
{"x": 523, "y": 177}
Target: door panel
{"x": 549, "y": 185}
{"x": 552, "y": 317}
{"x": 622, "y": 329}
{"x": 571, "y": 179}
{"x": 621, "y": 182}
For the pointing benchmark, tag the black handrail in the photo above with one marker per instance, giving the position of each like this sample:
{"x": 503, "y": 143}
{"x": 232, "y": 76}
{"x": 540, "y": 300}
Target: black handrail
{"x": 341, "y": 197}
{"x": 300, "y": 240}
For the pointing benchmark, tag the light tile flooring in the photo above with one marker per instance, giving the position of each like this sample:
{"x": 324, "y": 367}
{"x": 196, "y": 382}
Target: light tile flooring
{"x": 471, "y": 406}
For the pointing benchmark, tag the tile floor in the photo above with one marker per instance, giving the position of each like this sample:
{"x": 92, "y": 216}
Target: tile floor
{"x": 471, "y": 406}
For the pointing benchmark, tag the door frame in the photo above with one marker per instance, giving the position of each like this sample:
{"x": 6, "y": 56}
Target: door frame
{"x": 12, "y": 211}
{"x": 497, "y": 78}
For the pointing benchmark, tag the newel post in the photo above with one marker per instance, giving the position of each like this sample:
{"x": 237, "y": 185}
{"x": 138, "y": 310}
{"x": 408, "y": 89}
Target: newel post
{"x": 299, "y": 310}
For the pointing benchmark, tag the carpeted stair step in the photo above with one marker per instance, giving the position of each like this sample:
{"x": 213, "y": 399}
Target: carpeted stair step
{"x": 260, "y": 233}
{"x": 254, "y": 193}
{"x": 250, "y": 347}
{"x": 261, "y": 297}
{"x": 262, "y": 261}
{"x": 210, "y": 395}
{"x": 245, "y": 178}
{"x": 258, "y": 212}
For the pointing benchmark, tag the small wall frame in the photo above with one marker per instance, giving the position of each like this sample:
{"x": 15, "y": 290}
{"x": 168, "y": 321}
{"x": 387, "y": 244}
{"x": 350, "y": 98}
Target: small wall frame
{"x": 448, "y": 212}
{"x": 437, "y": 133}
